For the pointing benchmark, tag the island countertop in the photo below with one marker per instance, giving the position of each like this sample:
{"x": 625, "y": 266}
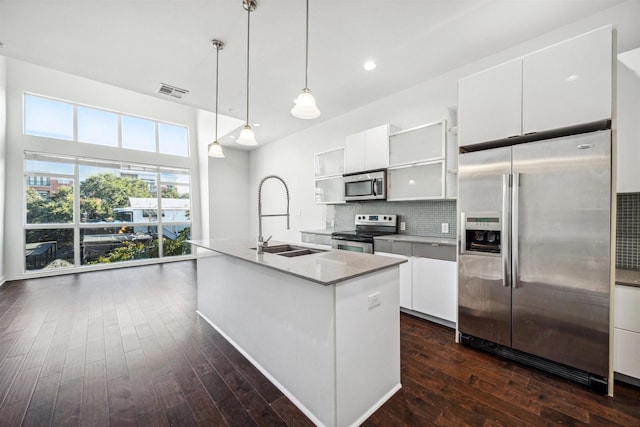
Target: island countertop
{"x": 326, "y": 268}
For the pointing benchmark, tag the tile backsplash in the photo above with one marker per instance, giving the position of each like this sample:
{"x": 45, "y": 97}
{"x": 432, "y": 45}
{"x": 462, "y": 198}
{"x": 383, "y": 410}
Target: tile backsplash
{"x": 422, "y": 218}
{"x": 628, "y": 231}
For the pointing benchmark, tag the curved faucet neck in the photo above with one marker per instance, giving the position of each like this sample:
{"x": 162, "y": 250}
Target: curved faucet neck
{"x": 260, "y": 215}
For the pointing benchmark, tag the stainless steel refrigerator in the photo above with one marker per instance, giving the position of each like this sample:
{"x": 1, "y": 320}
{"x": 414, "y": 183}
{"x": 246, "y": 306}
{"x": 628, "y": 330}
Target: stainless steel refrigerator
{"x": 535, "y": 251}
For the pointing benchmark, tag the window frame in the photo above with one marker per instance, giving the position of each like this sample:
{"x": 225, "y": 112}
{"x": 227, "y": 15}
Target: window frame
{"x": 77, "y": 225}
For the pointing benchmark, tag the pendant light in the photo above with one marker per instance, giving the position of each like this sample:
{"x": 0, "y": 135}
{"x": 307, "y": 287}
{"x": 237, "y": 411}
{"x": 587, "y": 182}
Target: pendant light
{"x": 247, "y": 137}
{"x": 215, "y": 149}
{"x": 305, "y": 104}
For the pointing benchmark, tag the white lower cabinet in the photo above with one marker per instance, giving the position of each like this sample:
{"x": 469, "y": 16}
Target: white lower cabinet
{"x": 406, "y": 292}
{"x": 626, "y": 358}
{"x": 434, "y": 287}
{"x": 626, "y": 335}
{"x": 427, "y": 285}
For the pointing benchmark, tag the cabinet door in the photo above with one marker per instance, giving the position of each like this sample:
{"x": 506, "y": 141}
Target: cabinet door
{"x": 626, "y": 348}
{"x": 627, "y": 312}
{"x": 330, "y": 190}
{"x": 434, "y": 287}
{"x": 406, "y": 296}
{"x": 354, "y": 153}
{"x": 490, "y": 104}
{"x": 568, "y": 83}
{"x": 417, "y": 145}
{"x": 628, "y": 131}
{"x": 416, "y": 182}
{"x": 329, "y": 163}
{"x": 376, "y": 151}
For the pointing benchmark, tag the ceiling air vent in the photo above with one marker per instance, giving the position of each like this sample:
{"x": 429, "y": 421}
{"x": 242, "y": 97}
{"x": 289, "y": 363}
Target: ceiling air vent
{"x": 173, "y": 91}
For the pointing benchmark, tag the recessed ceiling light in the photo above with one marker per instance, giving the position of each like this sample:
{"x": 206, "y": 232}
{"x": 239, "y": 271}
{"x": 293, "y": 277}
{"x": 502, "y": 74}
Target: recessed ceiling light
{"x": 369, "y": 66}
{"x": 256, "y": 125}
{"x": 232, "y": 137}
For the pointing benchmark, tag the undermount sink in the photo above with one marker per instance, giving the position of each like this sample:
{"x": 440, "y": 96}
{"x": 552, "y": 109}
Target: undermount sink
{"x": 290, "y": 251}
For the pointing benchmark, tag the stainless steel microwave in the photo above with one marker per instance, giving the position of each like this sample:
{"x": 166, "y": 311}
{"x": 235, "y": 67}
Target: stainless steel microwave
{"x": 370, "y": 185}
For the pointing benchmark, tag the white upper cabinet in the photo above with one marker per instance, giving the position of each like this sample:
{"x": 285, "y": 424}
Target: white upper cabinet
{"x": 329, "y": 185}
{"x": 420, "y": 144}
{"x": 568, "y": 83}
{"x": 628, "y": 118}
{"x": 490, "y": 104}
{"x": 329, "y": 163}
{"x": 367, "y": 150}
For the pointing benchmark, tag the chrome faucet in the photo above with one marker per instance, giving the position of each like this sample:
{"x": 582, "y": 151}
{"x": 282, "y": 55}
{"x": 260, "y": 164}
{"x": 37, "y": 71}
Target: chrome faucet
{"x": 261, "y": 242}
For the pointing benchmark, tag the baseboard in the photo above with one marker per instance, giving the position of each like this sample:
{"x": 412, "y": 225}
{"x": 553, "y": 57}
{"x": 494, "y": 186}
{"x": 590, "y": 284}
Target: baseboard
{"x": 627, "y": 379}
{"x": 2, "y": 280}
{"x": 432, "y": 319}
{"x": 377, "y": 405}
{"x": 266, "y": 373}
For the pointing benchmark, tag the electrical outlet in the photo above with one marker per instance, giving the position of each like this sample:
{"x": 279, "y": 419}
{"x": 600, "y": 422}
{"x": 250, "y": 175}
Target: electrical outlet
{"x": 445, "y": 227}
{"x": 333, "y": 223}
{"x": 299, "y": 212}
{"x": 374, "y": 300}
{"x": 403, "y": 225}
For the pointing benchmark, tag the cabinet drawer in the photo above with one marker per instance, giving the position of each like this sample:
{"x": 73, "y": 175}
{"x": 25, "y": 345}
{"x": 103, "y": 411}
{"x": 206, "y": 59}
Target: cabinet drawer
{"x": 626, "y": 350}
{"x": 434, "y": 251}
{"x": 627, "y": 308}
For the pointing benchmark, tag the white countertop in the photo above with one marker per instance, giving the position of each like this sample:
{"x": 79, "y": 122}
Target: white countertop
{"x": 327, "y": 267}
{"x": 417, "y": 239}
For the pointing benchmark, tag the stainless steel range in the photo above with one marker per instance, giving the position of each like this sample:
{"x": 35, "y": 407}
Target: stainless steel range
{"x": 368, "y": 226}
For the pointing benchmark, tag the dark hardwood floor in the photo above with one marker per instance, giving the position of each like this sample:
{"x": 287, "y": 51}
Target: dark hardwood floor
{"x": 125, "y": 347}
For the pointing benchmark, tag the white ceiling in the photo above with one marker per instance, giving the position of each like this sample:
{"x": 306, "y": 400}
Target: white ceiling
{"x": 138, "y": 44}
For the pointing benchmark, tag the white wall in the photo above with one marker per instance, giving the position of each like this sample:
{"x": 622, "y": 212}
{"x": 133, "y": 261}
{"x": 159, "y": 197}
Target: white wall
{"x": 3, "y": 145}
{"x": 23, "y": 77}
{"x": 227, "y": 199}
{"x": 292, "y": 157}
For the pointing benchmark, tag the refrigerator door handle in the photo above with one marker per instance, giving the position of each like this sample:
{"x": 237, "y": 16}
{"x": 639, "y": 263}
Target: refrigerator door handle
{"x": 504, "y": 249}
{"x": 514, "y": 229}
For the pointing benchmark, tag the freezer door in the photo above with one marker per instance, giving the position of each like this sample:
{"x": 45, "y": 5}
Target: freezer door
{"x": 484, "y": 302}
{"x": 561, "y": 250}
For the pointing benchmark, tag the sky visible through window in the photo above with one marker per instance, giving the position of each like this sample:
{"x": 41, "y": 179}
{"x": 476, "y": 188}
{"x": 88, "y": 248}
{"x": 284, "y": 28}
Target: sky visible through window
{"x": 55, "y": 119}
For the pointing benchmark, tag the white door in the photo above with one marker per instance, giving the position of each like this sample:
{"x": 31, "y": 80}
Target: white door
{"x": 376, "y": 148}
{"x": 405, "y": 279}
{"x": 435, "y": 287}
{"x": 490, "y": 104}
{"x": 354, "y": 153}
{"x": 568, "y": 83}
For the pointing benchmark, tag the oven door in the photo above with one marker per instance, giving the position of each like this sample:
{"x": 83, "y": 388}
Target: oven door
{"x": 353, "y": 246}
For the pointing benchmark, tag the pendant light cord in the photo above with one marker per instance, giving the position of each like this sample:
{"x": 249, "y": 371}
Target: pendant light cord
{"x": 217, "y": 61}
{"x": 306, "y": 54}
{"x": 248, "y": 33}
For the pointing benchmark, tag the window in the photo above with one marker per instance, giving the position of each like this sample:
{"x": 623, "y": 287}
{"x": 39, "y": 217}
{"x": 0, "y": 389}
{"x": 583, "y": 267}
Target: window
{"x": 97, "y": 126}
{"x": 73, "y": 122}
{"x": 113, "y": 209}
{"x": 138, "y": 134}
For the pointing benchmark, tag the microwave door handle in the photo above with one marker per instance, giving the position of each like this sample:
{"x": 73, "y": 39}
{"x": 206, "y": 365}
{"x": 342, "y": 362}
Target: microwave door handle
{"x": 373, "y": 187}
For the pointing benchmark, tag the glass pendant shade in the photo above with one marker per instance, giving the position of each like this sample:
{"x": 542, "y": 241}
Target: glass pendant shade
{"x": 215, "y": 150}
{"x": 305, "y": 106}
{"x": 247, "y": 137}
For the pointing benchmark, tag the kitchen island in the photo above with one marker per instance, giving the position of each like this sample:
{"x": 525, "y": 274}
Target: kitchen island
{"x": 323, "y": 327}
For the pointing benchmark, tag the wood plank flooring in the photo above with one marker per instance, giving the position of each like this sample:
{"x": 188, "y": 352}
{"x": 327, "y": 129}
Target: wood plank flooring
{"x": 125, "y": 347}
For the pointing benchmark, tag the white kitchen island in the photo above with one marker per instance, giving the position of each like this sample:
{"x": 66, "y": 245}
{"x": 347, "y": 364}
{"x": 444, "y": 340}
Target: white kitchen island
{"x": 307, "y": 323}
